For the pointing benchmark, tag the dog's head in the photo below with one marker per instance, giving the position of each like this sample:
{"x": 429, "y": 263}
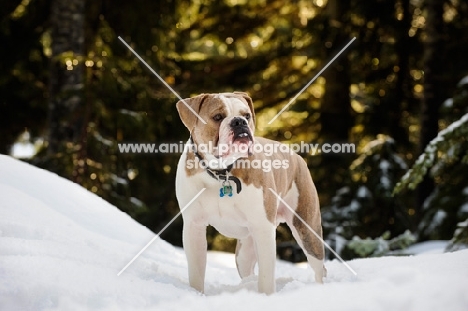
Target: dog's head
{"x": 230, "y": 124}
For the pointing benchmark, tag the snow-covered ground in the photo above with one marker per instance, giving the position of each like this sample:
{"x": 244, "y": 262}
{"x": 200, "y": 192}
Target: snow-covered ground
{"x": 61, "y": 248}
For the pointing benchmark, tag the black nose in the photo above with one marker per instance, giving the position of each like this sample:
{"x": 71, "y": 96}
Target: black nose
{"x": 238, "y": 122}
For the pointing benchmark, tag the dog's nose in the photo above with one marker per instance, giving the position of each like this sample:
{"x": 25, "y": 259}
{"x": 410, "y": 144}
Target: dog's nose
{"x": 238, "y": 122}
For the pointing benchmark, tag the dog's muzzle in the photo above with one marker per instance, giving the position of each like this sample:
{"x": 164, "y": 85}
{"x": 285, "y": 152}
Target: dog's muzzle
{"x": 240, "y": 130}
{"x": 235, "y": 138}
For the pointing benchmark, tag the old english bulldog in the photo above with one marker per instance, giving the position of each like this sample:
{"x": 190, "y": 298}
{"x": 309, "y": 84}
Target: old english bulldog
{"x": 245, "y": 202}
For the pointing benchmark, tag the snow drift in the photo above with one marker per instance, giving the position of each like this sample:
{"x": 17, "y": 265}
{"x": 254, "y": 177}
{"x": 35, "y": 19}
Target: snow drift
{"x": 61, "y": 248}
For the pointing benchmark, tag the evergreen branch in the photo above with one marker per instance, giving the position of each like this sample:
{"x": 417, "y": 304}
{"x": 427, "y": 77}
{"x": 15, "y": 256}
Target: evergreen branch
{"x": 453, "y": 134}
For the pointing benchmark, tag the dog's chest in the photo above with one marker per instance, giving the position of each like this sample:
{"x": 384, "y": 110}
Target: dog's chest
{"x": 231, "y": 216}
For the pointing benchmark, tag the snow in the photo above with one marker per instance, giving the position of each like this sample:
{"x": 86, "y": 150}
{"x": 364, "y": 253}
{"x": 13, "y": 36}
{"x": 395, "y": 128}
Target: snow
{"x": 363, "y": 192}
{"x": 448, "y": 103}
{"x": 61, "y": 248}
{"x": 133, "y": 114}
{"x": 427, "y": 247}
{"x": 104, "y": 141}
{"x": 23, "y": 150}
{"x": 137, "y": 202}
{"x": 384, "y": 165}
{"x": 427, "y": 158}
{"x": 463, "y": 81}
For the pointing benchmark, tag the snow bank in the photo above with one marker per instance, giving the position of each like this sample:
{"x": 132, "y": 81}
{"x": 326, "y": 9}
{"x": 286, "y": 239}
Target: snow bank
{"x": 61, "y": 248}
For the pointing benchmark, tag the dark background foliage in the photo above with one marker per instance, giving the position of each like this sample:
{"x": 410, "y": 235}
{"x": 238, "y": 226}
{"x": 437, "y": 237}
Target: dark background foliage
{"x": 74, "y": 91}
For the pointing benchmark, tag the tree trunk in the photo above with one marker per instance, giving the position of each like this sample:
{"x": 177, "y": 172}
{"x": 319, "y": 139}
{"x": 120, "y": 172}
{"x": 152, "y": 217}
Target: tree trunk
{"x": 66, "y": 78}
{"x": 402, "y": 92}
{"x": 433, "y": 84}
{"x": 335, "y": 114}
{"x": 335, "y": 108}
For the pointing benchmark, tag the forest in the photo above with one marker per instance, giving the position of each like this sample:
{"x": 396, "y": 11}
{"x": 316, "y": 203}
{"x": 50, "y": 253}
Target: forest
{"x": 72, "y": 92}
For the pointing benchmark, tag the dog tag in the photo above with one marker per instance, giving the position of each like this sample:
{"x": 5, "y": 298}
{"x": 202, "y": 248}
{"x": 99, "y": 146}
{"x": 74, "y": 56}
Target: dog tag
{"x": 226, "y": 189}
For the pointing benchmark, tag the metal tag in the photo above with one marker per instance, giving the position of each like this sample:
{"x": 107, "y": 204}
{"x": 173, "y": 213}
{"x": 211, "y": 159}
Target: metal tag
{"x": 226, "y": 189}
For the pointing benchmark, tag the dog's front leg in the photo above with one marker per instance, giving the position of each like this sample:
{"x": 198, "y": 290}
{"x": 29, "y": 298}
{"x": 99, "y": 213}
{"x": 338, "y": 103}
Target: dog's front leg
{"x": 264, "y": 237}
{"x": 195, "y": 246}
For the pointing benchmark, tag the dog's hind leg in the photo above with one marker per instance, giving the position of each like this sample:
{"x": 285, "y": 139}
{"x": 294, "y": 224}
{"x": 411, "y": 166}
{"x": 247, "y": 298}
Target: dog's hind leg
{"x": 307, "y": 236}
{"x": 246, "y": 256}
{"x": 310, "y": 245}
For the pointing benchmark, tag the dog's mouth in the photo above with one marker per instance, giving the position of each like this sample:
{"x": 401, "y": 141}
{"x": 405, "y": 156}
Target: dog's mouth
{"x": 242, "y": 141}
{"x": 243, "y": 137}
{"x": 234, "y": 141}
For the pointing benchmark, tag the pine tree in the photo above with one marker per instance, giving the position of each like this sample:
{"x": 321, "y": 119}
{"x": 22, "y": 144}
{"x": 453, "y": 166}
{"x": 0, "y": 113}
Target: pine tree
{"x": 66, "y": 142}
{"x": 460, "y": 237}
{"x": 433, "y": 84}
{"x": 365, "y": 208}
{"x": 445, "y": 161}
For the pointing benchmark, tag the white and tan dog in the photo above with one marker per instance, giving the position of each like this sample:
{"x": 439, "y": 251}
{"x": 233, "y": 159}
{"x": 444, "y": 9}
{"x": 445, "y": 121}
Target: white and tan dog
{"x": 237, "y": 200}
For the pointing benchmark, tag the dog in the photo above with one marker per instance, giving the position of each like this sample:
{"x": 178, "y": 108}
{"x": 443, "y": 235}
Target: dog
{"x": 242, "y": 202}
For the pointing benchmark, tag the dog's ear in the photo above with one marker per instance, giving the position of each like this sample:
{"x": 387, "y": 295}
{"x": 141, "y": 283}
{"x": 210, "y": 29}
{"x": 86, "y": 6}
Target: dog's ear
{"x": 188, "y": 117}
{"x": 249, "y": 102}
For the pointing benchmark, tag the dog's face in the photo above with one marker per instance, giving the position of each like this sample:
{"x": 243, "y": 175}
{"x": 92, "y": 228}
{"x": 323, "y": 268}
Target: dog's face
{"x": 230, "y": 123}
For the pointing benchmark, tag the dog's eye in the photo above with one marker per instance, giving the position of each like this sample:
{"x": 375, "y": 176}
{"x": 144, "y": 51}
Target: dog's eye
{"x": 218, "y": 117}
{"x": 247, "y": 116}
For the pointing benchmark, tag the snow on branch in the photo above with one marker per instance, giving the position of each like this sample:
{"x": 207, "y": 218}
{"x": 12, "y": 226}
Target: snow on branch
{"x": 445, "y": 140}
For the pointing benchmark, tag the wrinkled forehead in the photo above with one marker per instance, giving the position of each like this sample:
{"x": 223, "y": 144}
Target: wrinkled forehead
{"x": 230, "y": 104}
